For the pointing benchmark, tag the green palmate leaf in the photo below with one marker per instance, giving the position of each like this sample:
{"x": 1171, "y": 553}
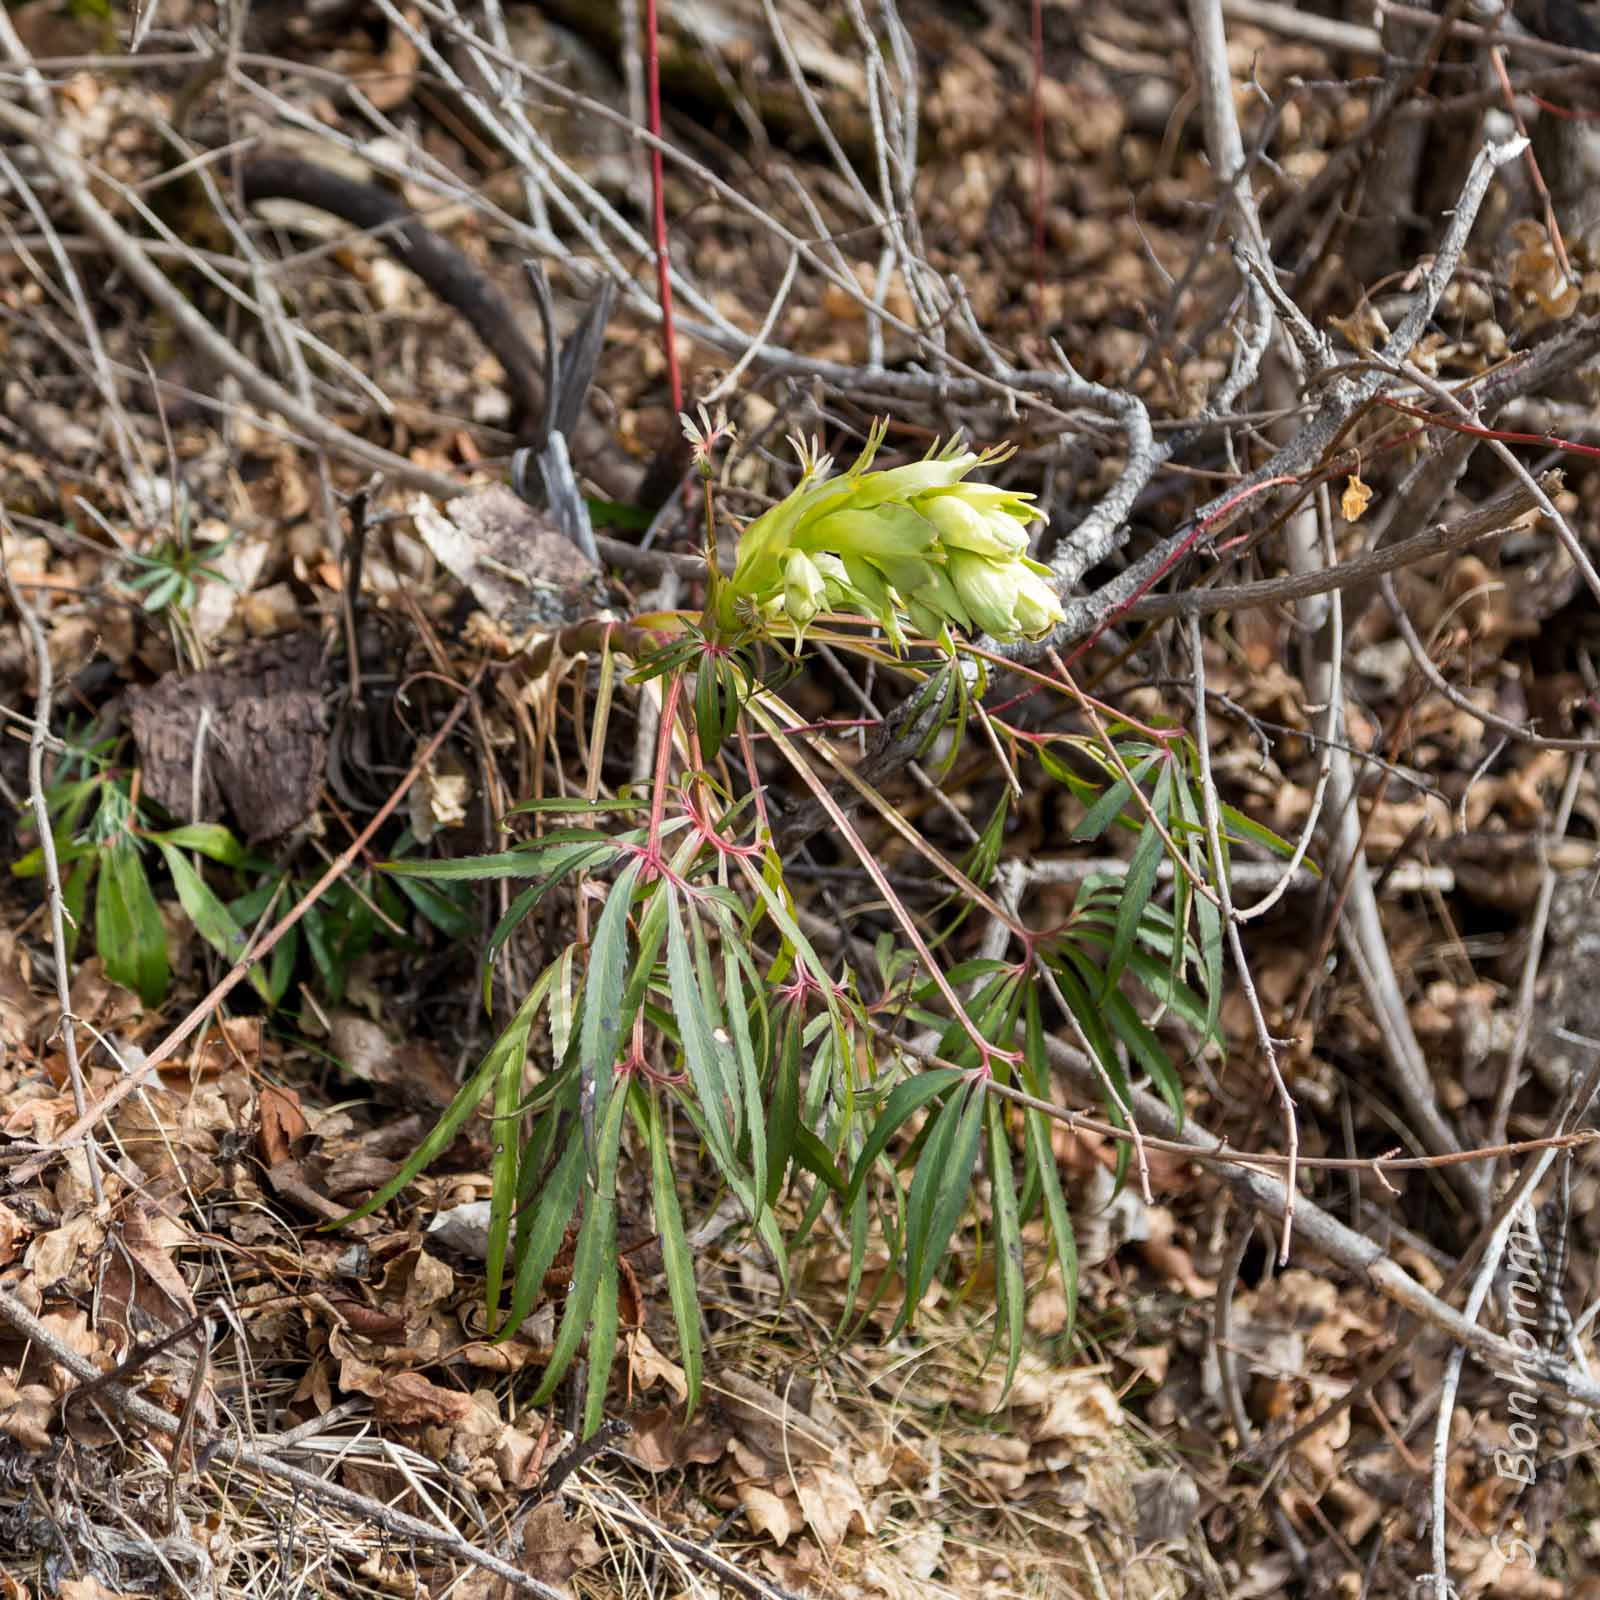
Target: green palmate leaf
{"x": 1036, "y": 1069}
{"x": 600, "y": 1033}
{"x": 596, "y": 857}
{"x": 677, "y": 1259}
{"x": 1180, "y": 944}
{"x": 564, "y": 1003}
{"x": 705, "y": 1057}
{"x": 212, "y": 919}
{"x": 1208, "y": 919}
{"x": 75, "y": 898}
{"x": 503, "y": 1171}
{"x": 1010, "y": 1287}
{"x": 543, "y": 1228}
{"x": 939, "y": 1191}
{"x": 984, "y": 856}
{"x": 1144, "y": 1048}
{"x": 591, "y": 1296}
{"x": 730, "y": 1105}
{"x": 1110, "y": 805}
{"x": 570, "y": 804}
{"x": 1079, "y": 978}
{"x": 783, "y": 1105}
{"x": 504, "y": 1054}
{"x": 830, "y": 1080}
{"x": 602, "y": 1345}
{"x": 1242, "y": 827}
{"x": 246, "y": 909}
{"x": 812, "y": 1154}
{"x": 1156, "y": 977}
{"x": 778, "y": 909}
{"x": 314, "y": 924}
{"x": 738, "y": 1180}
{"x": 284, "y": 956}
{"x": 993, "y": 1010}
{"x": 718, "y": 695}
{"x": 1057, "y": 768}
{"x": 537, "y": 860}
{"x": 906, "y": 1099}
{"x": 748, "y": 1072}
{"x": 859, "y": 1214}
{"x": 1179, "y": 997}
{"x": 963, "y": 972}
{"x": 538, "y": 1149}
{"x": 31, "y": 865}
{"x": 1140, "y": 882}
{"x": 130, "y": 937}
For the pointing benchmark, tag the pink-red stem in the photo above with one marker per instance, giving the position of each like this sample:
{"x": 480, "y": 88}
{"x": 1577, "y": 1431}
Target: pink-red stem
{"x": 659, "y": 205}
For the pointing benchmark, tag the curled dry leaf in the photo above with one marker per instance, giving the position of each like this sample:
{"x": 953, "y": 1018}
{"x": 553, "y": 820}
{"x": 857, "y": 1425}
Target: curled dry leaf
{"x": 832, "y": 1504}
{"x": 649, "y": 1366}
{"x": 13, "y": 1231}
{"x": 404, "y": 1396}
{"x": 25, "y": 1414}
{"x": 282, "y": 1123}
{"x": 661, "y": 1440}
{"x": 554, "y": 1548}
{"x": 62, "y": 1255}
{"x": 1356, "y": 498}
{"x": 768, "y": 1513}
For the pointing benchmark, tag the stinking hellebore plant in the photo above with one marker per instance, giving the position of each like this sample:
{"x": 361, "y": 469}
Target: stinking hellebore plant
{"x": 917, "y": 545}
{"x": 693, "y": 1007}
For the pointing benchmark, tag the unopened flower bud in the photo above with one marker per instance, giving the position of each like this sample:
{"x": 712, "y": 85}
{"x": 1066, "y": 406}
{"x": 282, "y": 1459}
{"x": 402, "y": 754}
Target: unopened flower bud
{"x": 988, "y": 589}
{"x": 1038, "y": 607}
{"x": 963, "y": 528}
{"x": 804, "y": 592}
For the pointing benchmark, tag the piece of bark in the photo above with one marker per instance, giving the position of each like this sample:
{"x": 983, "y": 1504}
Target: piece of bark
{"x": 247, "y": 735}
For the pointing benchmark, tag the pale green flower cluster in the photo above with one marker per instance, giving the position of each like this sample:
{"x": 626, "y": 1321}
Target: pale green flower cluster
{"x": 913, "y": 547}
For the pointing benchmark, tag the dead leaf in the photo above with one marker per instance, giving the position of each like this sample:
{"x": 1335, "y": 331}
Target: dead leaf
{"x": 513, "y": 559}
{"x": 832, "y": 1504}
{"x": 649, "y": 1366}
{"x": 13, "y": 1230}
{"x": 263, "y": 747}
{"x": 90, "y": 1588}
{"x": 553, "y": 1548}
{"x": 661, "y": 1440}
{"x": 25, "y": 1414}
{"x": 60, "y": 1255}
{"x": 768, "y": 1513}
{"x": 282, "y": 1123}
{"x": 404, "y": 1396}
{"x": 1356, "y": 498}
{"x": 411, "y": 1073}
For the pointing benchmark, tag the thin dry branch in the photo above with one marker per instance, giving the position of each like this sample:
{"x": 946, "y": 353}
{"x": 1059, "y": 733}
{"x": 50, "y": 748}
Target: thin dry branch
{"x": 75, "y": 179}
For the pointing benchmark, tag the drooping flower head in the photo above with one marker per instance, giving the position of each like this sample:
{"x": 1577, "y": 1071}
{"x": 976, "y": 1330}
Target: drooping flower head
{"x": 916, "y": 544}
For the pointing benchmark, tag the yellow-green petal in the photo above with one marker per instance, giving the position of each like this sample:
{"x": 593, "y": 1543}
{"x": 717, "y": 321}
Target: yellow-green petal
{"x": 965, "y": 528}
{"x": 988, "y": 590}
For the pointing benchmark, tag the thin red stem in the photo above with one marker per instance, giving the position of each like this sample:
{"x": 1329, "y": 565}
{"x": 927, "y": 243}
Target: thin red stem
{"x": 1038, "y": 154}
{"x": 658, "y": 797}
{"x": 1548, "y": 440}
{"x": 659, "y": 204}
